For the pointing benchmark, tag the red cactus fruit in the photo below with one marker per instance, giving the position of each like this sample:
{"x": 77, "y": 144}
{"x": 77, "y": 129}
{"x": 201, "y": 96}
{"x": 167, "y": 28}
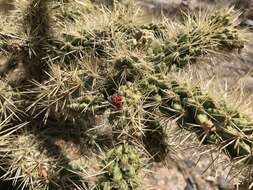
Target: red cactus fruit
{"x": 118, "y": 101}
{"x": 43, "y": 172}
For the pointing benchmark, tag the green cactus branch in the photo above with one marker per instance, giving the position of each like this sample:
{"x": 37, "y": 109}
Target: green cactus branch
{"x": 121, "y": 165}
{"x": 214, "y": 122}
{"x": 200, "y": 36}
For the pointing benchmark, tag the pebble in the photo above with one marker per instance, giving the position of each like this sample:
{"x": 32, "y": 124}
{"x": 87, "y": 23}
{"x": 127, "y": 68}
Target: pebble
{"x": 247, "y": 23}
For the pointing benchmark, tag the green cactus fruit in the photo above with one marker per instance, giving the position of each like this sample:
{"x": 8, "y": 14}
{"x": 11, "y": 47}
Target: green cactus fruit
{"x": 83, "y": 106}
{"x": 157, "y": 98}
{"x": 111, "y": 166}
{"x": 216, "y": 114}
{"x": 157, "y": 29}
{"x": 117, "y": 174}
{"x": 131, "y": 172}
{"x": 151, "y": 89}
{"x": 156, "y": 47}
{"x": 172, "y": 108}
{"x": 211, "y": 138}
{"x": 109, "y": 153}
{"x": 241, "y": 122}
{"x": 204, "y": 122}
{"x": 177, "y": 107}
{"x": 190, "y": 102}
{"x": 124, "y": 161}
{"x": 123, "y": 185}
{"x": 119, "y": 151}
{"x": 133, "y": 156}
{"x": 157, "y": 82}
{"x": 106, "y": 186}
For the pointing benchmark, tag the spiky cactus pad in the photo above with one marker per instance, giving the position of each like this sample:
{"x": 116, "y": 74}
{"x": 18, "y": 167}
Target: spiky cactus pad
{"x": 82, "y": 62}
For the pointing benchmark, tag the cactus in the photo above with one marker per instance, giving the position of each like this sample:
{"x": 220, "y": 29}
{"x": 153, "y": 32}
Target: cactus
{"x": 66, "y": 95}
{"x": 9, "y": 103}
{"x": 129, "y": 118}
{"x": 214, "y": 122}
{"x": 199, "y": 36}
{"x": 30, "y": 168}
{"x": 121, "y": 165}
{"x": 83, "y": 62}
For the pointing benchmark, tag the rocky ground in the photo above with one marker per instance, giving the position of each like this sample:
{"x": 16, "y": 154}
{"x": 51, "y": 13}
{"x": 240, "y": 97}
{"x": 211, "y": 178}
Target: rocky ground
{"x": 192, "y": 168}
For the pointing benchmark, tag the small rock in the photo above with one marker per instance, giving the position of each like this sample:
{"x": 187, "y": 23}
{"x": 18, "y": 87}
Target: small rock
{"x": 247, "y": 23}
{"x": 223, "y": 185}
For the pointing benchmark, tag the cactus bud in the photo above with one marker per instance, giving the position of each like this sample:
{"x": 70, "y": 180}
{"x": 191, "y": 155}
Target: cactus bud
{"x": 117, "y": 174}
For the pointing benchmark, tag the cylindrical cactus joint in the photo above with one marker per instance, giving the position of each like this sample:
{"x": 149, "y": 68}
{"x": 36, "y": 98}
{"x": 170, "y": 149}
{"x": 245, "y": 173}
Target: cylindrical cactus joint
{"x": 121, "y": 165}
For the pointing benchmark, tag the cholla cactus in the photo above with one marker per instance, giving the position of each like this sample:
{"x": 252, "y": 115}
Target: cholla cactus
{"x": 129, "y": 117}
{"x": 82, "y": 62}
{"x": 9, "y": 103}
{"x": 27, "y": 165}
{"x": 66, "y": 94}
{"x": 121, "y": 165}
{"x": 33, "y": 160}
{"x": 213, "y": 121}
{"x": 199, "y": 36}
